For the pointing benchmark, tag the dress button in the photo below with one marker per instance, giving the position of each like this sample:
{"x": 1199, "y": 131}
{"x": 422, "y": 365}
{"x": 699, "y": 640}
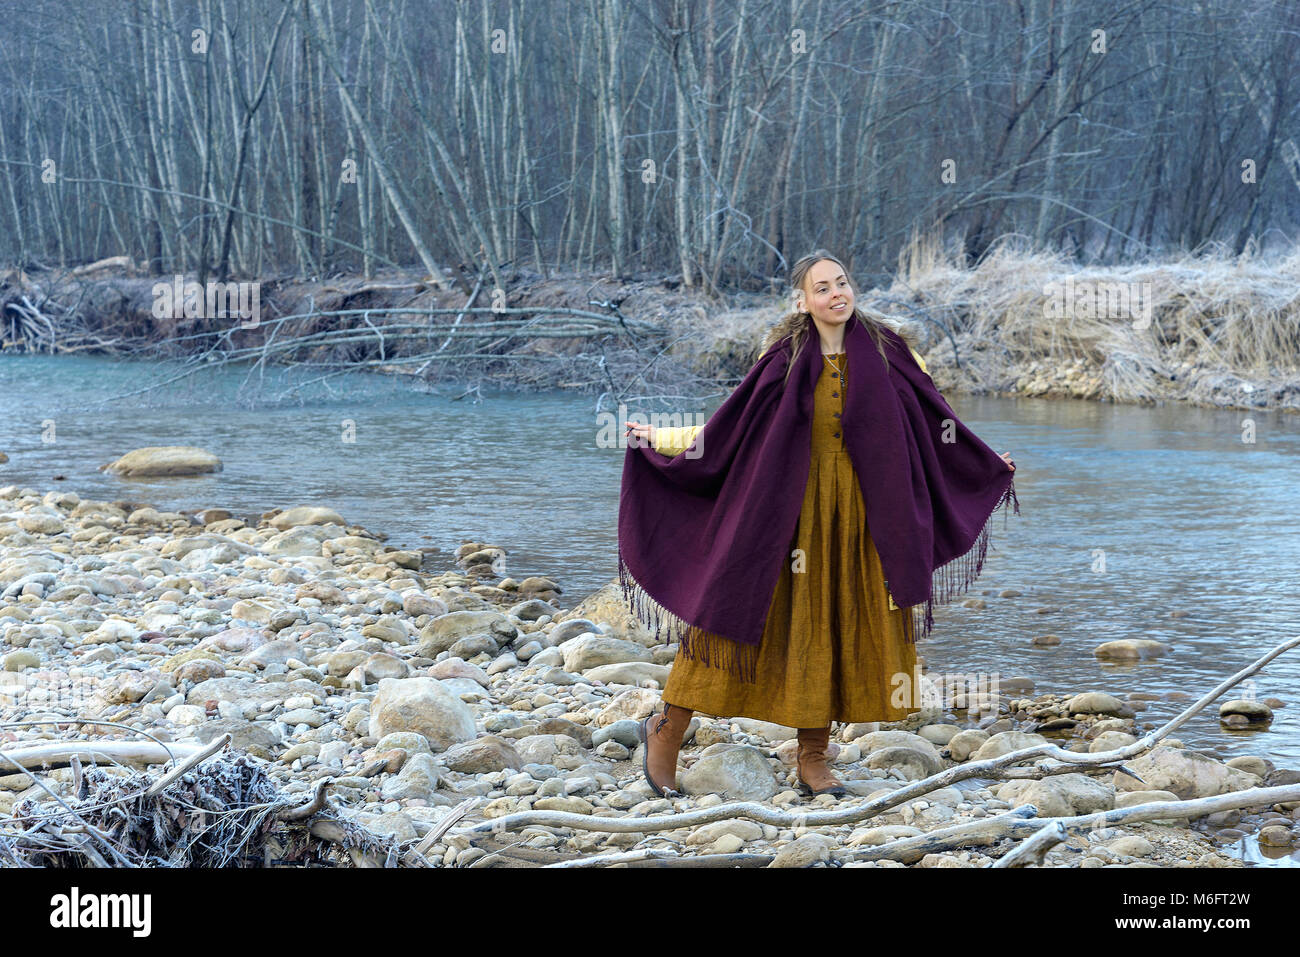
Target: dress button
{"x": 836, "y": 414}
{"x": 835, "y": 375}
{"x": 837, "y": 435}
{"x": 835, "y": 395}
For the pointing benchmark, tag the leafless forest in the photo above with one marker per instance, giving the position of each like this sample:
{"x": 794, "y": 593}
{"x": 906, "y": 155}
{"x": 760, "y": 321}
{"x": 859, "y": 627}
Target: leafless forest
{"x": 564, "y": 188}
{"x": 711, "y": 139}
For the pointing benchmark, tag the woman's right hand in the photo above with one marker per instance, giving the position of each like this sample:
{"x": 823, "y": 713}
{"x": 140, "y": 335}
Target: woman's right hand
{"x": 642, "y": 431}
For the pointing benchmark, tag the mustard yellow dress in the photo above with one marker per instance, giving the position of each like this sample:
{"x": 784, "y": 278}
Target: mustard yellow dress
{"x": 834, "y": 646}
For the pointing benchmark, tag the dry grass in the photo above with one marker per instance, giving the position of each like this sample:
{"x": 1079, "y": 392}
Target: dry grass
{"x": 1224, "y": 331}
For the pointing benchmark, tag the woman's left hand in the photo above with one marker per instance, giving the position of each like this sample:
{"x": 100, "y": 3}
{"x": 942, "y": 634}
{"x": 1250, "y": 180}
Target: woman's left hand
{"x": 1006, "y": 456}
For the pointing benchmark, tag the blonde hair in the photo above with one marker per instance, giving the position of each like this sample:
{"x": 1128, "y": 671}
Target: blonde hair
{"x": 797, "y": 326}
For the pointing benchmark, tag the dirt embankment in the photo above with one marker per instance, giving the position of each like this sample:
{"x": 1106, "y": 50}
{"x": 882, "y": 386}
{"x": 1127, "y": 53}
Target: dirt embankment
{"x": 1205, "y": 331}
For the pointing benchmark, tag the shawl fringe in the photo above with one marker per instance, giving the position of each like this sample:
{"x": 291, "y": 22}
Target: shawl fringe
{"x": 955, "y": 577}
{"x": 710, "y": 649}
{"x": 716, "y": 651}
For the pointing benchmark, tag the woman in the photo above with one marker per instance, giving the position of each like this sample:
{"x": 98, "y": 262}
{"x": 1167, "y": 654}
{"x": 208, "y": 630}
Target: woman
{"x": 834, "y": 644}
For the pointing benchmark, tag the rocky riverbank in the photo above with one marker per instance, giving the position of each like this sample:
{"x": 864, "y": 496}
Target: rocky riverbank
{"x": 1204, "y": 331}
{"x": 324, "y": 653}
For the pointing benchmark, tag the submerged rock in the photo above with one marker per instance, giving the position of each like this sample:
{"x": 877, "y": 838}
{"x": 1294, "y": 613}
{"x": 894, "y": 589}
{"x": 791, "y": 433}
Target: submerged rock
{"x": 1130, "y": 649}
{"x": 164, "y": 460}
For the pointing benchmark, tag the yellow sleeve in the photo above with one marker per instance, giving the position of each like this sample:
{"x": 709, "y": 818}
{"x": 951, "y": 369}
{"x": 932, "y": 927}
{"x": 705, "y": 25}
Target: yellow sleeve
{"x": 673, "y": 441}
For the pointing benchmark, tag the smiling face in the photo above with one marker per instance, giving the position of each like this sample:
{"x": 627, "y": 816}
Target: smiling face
{"x": 826, "y": 294}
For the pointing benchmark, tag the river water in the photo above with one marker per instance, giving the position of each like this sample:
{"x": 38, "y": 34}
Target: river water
{"x": 1127, "y": 513}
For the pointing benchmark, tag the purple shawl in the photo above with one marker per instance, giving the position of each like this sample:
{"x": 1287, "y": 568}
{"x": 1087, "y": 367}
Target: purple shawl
{"x": 702, "y": 535}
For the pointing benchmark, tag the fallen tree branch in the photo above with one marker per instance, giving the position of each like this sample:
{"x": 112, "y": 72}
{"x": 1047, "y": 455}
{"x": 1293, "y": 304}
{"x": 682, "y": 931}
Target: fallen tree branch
{"x": 1022, "y": 821}
{"x": 1031, "y": 851}
{"x": 1055, "y": 760}
{"x": 333, "y": 831}
{"x": 666, "y": 857}
{"x": 59, "y": 723}
{"x": 305, "y": 811}
{"x": 417, "y": 854}
{"x": 56, "y": 754}
{"x": 621, "y": 857}
{"x": 195, "y": 759}
{"x": 89, "y": 829}
{"x": 485, "y": 860}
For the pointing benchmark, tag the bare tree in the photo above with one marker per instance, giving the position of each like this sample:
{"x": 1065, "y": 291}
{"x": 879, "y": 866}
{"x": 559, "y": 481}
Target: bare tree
{"x": 328, "y": 136}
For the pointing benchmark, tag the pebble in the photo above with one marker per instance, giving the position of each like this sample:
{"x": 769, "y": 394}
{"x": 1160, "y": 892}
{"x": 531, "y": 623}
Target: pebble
{"x": 415, "y": 691}
{"x": 21, "y": 660}
{"x": 312, "y": 719}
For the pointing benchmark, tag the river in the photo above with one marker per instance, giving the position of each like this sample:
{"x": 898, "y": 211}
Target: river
{"x": 1127, "y": 513}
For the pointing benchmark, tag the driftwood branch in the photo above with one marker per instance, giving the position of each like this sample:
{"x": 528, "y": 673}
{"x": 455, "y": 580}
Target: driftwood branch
{"x": 195, "y": 759}
{"x": 334, "y": 832}
{"x": 442, "y": 827}
{"x": 78, "y": 839}
{"x": 1032, "y": 850}
{"x": 314, "y": 805}
{"x": 57, "y": 754}
{"x": 666, "y": 857}
{"x": 704, "y": 860}
{"x": 1022, "y": 822}
{"x": 1055, "y": 760}
{"x": 88, "y": 828}
{"x": 622, "y": 857}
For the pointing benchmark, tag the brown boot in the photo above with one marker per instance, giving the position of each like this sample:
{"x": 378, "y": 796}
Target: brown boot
{"x": 814, "y": 775}
{"x": 662, "y": 741}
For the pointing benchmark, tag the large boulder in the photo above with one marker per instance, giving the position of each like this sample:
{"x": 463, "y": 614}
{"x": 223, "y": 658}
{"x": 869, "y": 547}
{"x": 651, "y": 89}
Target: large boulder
{"x": 164, "y": 460}
{"x": 1254, "y": 711}
{"x": 875, "y": 740}
{"x": 1130, "y": 649}
{"x": 594, "y": 649}
{"x": 482, "y": 756}
{"x": 418, "y": 778}
{"x": 307, "y": 515}
{"x": 546, "y": 748}
{"x": 804, "y": 852}
{"x": 40, "y": 523}
{"x": 179, "y": 548}
{"x": 422, "y": 705}
{"x": 633, "y": 703}
{"x": 913, "y": 763}
{"x": 1096, "y": 702}
{"x": 966, "y": 742}
{"x": 1004, "y": 742}
{"x": 235, "y": 639}
{"x": 1185, "y": 773}
{"x": 300, "y": 541}
{"x": 250, "y": 691}
{"x": 446, "y": 630}
{"x": 607, "y": 606}
{"x": 459, "y": 668}
{"x": 735, "y": 772}
{"x": 628, "y": 673}
{"x": 1061, "y": 795}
